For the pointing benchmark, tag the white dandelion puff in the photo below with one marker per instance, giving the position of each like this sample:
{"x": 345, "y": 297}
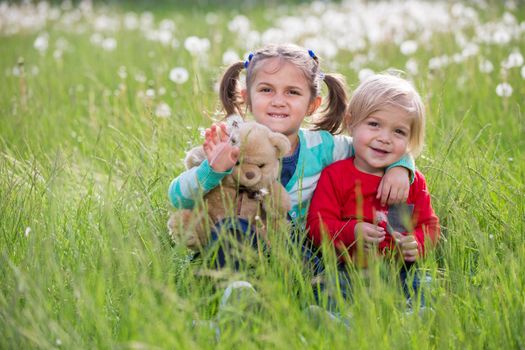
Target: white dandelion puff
{"x": 408, "y": 47}
{"x": 229, "y": 57}
{"x": 196, "y": 45}
{"x": 150, "y": 93}
{"x": 27, "y": 231}
{"x": 41, "y": 42}
{"x": 365, "y": 73}
{"x": 515, "y": 59}
{"x": 504, "y": 90}
{"x": 122, "y": 72}
{"x": 163, "y": 110}
{"x": 412, "y": 66}
{"x": 179, "y": 75}
{"x": 485, "y": 66}
{"x": 523, "y": 72}
{"x": 109, "y": 44}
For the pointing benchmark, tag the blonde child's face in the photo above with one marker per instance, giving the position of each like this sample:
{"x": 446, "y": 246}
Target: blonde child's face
{"x": 381, "y": 139}
{"x": 280, "y": 97}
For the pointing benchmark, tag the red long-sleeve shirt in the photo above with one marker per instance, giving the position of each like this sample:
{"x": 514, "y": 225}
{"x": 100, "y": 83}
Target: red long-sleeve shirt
{"x": 345, "y": 196}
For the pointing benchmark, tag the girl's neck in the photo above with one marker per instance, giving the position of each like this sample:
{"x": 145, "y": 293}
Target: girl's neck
{"x": 294, "y": 142}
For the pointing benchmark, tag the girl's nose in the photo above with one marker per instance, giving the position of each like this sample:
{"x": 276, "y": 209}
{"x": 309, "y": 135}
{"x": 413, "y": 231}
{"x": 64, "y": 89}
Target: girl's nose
{"x": 278, "y": 100}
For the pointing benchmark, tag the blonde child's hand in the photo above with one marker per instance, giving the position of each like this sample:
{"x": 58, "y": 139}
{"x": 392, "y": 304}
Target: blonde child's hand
{"x": 394, "y": 186}
{"x": 221, "y": 154}
{"x": 408, "y": 245}
{"x": 372, "y": 234}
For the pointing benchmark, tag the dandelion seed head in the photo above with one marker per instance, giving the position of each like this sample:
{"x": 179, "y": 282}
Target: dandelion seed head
{"x": 229, "y": 57}
{"x": 408, "y": 47}
{"x": 109, "y": 44}
{"x": 122, "y": 72}
{"x": 196, "y": 45}
{"x": 515, "y": 59}
{"x": 412, "y": 66}
{"x": 504, "y": 90}
{"x": 150, "y": 93}
{"x": 163, "y": 110}
{"x": 365, "y": 73}
{"x": 27, "y": 231}
{"x": 523, "y": 72}
{"x": 179, "y": 75}
{"x": 41, "y": 42}
{"x": 485, "y": 66}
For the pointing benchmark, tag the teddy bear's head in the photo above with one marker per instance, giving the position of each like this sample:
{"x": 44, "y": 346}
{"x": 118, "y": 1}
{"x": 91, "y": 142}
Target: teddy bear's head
{"x": 260, "y": 152}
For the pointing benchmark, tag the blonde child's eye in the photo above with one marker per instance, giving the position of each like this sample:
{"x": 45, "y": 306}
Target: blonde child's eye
{"x": 295, "y": 92}
{"x": 265, "y": 90}
{"x": 373, "y": 124}
{"x": 400, "y": 132}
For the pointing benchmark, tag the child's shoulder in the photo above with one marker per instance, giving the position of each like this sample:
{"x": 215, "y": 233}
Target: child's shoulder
{"x": 344, "y": 165}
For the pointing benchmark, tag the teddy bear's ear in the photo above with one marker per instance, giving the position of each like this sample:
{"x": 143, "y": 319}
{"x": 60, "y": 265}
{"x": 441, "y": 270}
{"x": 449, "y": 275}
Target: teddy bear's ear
{"x": 280, "y": 142}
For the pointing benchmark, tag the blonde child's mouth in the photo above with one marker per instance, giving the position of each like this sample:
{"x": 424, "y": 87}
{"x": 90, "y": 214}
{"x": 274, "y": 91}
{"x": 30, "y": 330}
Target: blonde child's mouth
{"x": 378, "y": 150}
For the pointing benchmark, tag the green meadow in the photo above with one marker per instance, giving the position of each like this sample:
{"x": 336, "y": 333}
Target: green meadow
{"x": 99, "y": 104}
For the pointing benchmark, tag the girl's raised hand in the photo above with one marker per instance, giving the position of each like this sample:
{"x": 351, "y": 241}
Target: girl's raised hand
{"x": 394, "y": 186}
{"x": 408, "y": 245}
{"x": 221, "y": 154}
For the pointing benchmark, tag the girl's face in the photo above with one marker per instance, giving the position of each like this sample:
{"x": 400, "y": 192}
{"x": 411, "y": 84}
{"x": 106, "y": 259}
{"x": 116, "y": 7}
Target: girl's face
{"x": 381, "y": 139}
{"x": 280, "y": 97}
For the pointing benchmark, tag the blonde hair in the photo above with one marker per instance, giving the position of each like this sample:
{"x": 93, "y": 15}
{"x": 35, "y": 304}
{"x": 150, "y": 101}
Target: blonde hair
{"x": 331, "y": 117}
{"x": 387, "y": 90}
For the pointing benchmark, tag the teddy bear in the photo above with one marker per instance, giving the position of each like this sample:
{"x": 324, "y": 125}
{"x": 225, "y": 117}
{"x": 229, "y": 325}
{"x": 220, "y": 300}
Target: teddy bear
{"x": 251, "y": 191}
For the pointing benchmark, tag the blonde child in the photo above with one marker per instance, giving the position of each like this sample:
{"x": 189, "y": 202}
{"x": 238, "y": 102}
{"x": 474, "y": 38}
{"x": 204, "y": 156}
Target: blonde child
{"x": 386, "y": 119}
{"x": 282, "y": 88}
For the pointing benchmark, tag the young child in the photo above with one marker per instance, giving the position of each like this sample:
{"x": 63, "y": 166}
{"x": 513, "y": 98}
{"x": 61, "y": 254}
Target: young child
{"x": 283, "y": 86}
{"x": 386, "y": 119}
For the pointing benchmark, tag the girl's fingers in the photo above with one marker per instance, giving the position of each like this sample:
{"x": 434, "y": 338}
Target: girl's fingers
{"x": 379, "y": 190}
{"x": 385, "y": 194}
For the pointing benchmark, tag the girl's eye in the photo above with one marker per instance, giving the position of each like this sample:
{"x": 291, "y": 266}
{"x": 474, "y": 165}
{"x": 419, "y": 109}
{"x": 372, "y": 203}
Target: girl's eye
{"x": 294, "y": 92}
{"x": 265, "y": 90}
{"x": 400, "y": 132}
{"x": 373, "y": 124}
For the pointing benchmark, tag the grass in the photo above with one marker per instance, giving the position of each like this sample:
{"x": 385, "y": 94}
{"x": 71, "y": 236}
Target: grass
{"x": 85, "y": 260}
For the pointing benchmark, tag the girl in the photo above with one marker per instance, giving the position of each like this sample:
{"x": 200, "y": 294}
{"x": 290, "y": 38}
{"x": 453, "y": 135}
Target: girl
{"x": 283, "y": 85}
{"x": 386, "y": 120}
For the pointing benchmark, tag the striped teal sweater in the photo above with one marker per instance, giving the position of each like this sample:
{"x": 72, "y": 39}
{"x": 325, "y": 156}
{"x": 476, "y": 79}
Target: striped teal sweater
{"x": 318, "y": 150}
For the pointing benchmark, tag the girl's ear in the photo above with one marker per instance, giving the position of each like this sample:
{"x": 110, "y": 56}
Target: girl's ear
{"x": 280, "y": 142}
{"x": 314, "y": 105}
{"x": 244, "y": 94}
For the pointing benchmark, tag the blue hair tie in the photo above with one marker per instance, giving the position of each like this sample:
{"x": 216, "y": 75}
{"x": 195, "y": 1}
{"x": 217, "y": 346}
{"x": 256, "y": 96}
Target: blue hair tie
{"x": 312, "y": 54}
{"x": 247, "y": 62}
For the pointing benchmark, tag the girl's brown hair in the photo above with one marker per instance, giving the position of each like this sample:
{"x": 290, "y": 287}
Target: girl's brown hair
{"x": 330, "y": 118}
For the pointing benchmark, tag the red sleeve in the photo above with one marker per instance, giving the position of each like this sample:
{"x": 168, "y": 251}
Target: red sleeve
{"x": 427, "y": 223}
{"x": 324, "y": 215}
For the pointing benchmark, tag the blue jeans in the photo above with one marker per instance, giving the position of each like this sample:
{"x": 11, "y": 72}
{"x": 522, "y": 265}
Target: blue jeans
{"x": 410, "y": 277}
{"x": 230, "y": 234}
{"x": 227, "y": 238}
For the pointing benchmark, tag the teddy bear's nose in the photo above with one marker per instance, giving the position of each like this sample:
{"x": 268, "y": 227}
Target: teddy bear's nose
{"x": 250, "y": 175}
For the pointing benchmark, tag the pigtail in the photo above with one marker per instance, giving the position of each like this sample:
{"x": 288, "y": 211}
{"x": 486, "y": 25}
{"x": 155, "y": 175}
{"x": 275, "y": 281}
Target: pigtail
{"x": 229, "y": 90}
{"x": 333, "y": 114}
